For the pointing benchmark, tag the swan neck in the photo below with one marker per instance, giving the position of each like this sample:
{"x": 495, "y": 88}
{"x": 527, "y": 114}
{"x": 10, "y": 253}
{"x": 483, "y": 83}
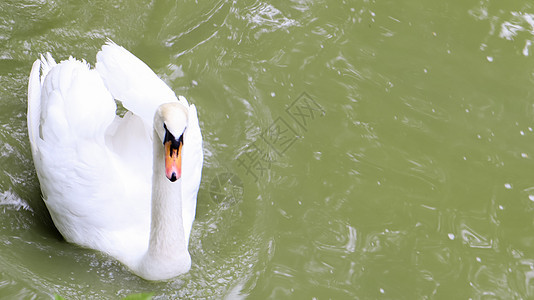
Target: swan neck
{"x": 167, "y": 255}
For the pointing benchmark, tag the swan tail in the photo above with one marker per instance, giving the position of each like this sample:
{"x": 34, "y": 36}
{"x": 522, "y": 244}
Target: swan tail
{"x": 132, "y": 82}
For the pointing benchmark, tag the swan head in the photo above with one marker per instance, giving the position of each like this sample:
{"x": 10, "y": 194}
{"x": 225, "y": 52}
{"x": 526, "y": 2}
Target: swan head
{"x": 170, "y": 122}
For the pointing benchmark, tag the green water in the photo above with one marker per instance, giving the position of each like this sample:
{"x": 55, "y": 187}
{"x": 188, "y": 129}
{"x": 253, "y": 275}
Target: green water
{"x": 353, "y": 149}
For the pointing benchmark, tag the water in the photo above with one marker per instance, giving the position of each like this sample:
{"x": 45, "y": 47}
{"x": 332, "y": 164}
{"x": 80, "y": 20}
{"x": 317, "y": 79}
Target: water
{"x": 364, "y": 149}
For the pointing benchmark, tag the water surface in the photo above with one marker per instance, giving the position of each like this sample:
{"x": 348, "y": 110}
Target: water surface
{"x": 353, "y": 149}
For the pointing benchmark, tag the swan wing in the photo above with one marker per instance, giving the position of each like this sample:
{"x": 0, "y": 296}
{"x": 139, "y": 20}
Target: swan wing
{"x": 132, "y": 82}
{"x": 70, "y": 112}
{"x": 191, "y": 168}
{"x": 34, "y": 106}
{"x": 65, "y": 142}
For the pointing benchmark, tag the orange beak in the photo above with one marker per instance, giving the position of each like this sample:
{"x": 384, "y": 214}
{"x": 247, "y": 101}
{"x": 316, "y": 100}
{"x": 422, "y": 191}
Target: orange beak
{"x": 173, "y": 161}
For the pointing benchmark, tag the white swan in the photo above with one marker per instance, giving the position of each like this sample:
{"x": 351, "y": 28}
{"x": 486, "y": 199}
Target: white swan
{"x": 125, "y": 186}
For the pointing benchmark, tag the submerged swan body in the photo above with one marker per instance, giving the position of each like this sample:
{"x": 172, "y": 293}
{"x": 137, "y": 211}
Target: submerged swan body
{"x": 126, "y": 186}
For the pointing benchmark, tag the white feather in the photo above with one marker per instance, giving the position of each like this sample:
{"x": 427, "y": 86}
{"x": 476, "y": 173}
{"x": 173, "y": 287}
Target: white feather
{"x": 95, "y": 168}
{"x": 131, "y": 81}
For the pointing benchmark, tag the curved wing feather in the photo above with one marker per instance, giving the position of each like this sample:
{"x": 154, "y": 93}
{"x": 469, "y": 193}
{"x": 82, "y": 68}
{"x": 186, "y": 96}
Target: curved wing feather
{"x": 132, "y": 82}
{"x": 191, "y": 169}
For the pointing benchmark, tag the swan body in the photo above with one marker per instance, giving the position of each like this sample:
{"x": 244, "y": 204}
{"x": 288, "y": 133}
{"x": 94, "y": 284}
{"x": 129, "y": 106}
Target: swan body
{"x": 126, "y": 186}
